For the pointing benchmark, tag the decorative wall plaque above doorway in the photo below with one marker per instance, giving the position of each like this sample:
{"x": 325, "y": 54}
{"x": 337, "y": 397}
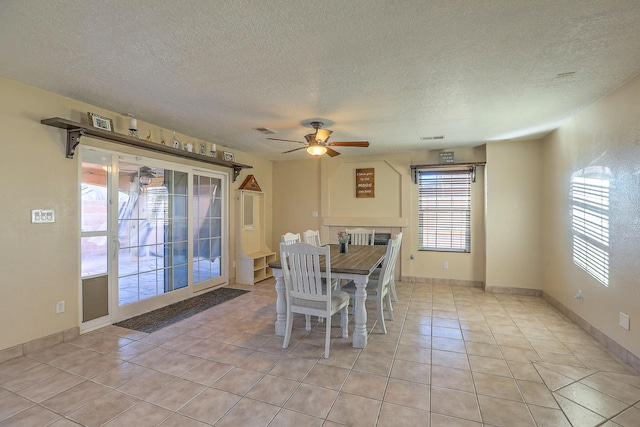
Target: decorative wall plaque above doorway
{"x": 250, "y": 183}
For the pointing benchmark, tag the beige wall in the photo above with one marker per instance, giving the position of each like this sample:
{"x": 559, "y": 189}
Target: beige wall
{"x": 606, "y": 134}
{"x": 296, "y": 196}
{"x": 513, "y": 215}
{"x": 39, "y": 263}
{"x": 302, "y": 187}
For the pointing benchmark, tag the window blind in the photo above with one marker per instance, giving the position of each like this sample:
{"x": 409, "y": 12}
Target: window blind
{"x": 444, "y": 209}
{"x": 590, "y": 192}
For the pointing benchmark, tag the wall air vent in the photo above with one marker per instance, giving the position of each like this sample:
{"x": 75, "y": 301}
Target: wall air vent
{"x": 431, "y": 138}
{"x": 565, "y": 75}
{"x": 266, "y": 131}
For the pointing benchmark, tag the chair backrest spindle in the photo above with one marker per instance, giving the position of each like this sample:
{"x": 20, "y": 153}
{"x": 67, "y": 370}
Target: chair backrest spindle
{"x": 361, "y": 236}
{"x": 312, "y": 237}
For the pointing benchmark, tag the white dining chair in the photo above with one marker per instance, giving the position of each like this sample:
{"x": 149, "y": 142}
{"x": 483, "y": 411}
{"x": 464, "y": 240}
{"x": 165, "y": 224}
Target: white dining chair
{"x": 289, "y": 238}
{"x": 392, "y": 285}
{"x": 312, "y": 237}
{"x": 378, "y": 290}
{"x": 361, "y": 236}
{"x": 305, "y": 292}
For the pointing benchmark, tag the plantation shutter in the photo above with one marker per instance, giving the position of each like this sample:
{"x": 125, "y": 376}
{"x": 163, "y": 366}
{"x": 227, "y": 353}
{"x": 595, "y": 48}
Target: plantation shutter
{"x": 444, "y": 209}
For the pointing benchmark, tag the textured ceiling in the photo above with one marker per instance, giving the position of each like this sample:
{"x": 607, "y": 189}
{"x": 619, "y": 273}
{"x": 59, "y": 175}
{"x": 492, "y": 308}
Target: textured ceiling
{"x": 389, "y": 72}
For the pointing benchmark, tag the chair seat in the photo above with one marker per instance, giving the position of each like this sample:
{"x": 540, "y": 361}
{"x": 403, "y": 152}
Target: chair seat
{"x": 372, "y": 287}
{"x": 338, "y": 298}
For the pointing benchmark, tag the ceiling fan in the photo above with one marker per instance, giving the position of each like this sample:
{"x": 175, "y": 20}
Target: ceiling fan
{"x": 317, "y": 144}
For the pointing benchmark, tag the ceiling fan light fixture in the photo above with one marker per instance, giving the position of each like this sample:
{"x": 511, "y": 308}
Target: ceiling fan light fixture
{"x": 145, "y": 176}
{"x": 316, "y": 149}
{"x": 323, "y": 134}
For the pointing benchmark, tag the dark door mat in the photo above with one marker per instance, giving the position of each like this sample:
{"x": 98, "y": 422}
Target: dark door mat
{"x": 165, "y": 316}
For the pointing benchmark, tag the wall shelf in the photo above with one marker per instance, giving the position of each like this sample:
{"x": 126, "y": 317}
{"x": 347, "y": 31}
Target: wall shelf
{"x": 76, "y": 130}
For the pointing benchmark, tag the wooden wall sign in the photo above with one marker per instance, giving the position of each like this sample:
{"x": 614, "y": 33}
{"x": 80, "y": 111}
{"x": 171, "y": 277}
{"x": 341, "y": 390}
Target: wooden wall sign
{"x": 250, "y": 183}
{"x": 365, "y": 183}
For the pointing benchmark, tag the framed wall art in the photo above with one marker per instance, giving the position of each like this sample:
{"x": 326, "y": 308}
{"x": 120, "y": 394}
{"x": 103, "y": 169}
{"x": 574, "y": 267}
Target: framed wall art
{"x": 365, "y": 183}
{"x": 100, "y": 122}
{"x": 229, "y": 157}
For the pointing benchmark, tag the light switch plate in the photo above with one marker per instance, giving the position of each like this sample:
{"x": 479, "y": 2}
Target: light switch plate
{"x": 41, "y": 216}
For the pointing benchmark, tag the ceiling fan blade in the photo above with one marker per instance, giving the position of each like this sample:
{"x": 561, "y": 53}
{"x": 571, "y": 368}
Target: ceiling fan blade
{"x": 295, "y": 149}
{"x": 331, "y": 152}
{"x": 286, "y": 140}
{"x": 350, "y": 144}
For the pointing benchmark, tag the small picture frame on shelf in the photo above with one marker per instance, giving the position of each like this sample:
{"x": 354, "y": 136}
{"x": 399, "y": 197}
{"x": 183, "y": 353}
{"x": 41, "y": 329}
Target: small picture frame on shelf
{"x": 228, "y": 157}
{"x": 101, "y": 122}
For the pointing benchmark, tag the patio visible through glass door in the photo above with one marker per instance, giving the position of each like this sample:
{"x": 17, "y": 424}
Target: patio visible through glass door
{"x": 207, "y": 229}
{"x": 152, "y": 231}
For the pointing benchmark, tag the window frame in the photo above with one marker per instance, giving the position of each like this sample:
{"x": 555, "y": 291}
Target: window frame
{"x": 451, "y": 205}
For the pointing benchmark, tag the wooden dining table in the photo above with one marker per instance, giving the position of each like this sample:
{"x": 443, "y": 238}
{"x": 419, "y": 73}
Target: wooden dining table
{"x": 356, "y": 265}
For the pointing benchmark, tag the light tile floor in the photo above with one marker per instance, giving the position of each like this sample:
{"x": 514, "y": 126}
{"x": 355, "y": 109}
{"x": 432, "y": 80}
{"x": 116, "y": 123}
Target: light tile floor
{"x": 454, "y": 356}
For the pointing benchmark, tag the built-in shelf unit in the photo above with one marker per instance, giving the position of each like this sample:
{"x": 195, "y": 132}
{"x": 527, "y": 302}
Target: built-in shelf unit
{"x": 252, "y": 254}
{"x": 75, "y": 130}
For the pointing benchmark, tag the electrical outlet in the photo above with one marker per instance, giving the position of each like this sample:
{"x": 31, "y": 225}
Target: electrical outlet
{"x": 314, "y": 214}
{"x": 60, "y": 307}
{"x": 624, "y": 321}
{"x": 445, "y": 265}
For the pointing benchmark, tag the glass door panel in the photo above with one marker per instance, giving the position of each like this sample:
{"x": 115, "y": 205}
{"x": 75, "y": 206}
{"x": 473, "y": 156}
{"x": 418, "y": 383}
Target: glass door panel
{"x": 149, "y": 226}
{"x": 94, "y": 238}
{"x": 207, "y": 229}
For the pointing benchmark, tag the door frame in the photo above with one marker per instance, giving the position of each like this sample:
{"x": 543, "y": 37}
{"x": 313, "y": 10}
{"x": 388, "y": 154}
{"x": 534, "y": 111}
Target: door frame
{"x": 116, "y": 312}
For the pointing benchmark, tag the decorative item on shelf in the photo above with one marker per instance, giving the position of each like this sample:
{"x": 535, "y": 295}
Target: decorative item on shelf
{"x": 149, "y": 136}
{"x": 76, "y": 130}
{"x": 202, "y": 149}
{"x": 100, "y": 122}
{"x": 133, "y": 126}
{"x": 176, "y": 143}
{"x": 250, "y": 183}
{"x": 212, "y": 153}
{"x": 343, "y": 239}
{"x": 188, "y": 147}
{"x": 229, "y": 157}
{"x": 162, "y": 141}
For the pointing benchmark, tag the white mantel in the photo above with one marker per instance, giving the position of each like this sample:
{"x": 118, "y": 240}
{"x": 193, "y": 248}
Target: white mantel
{"x": 364, "y": 222}
{"x": 392, "y": 226}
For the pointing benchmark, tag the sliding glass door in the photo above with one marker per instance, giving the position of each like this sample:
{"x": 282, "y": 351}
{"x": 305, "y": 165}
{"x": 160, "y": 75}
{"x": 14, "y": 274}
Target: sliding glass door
{"x": 167, "y": 227}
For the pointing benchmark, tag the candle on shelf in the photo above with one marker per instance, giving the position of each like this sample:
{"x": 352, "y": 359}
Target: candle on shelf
{"x": 133, "y": 124}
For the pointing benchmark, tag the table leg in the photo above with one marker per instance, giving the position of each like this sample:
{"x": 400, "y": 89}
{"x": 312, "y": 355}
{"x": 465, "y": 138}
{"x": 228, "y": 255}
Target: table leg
{"x": 281, "y": 303}
{"x": 360, "y": 313}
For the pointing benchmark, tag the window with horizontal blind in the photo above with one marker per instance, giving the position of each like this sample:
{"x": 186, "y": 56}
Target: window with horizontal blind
{"x": 444, "y": 209}
{"x": 590, "y": 190}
